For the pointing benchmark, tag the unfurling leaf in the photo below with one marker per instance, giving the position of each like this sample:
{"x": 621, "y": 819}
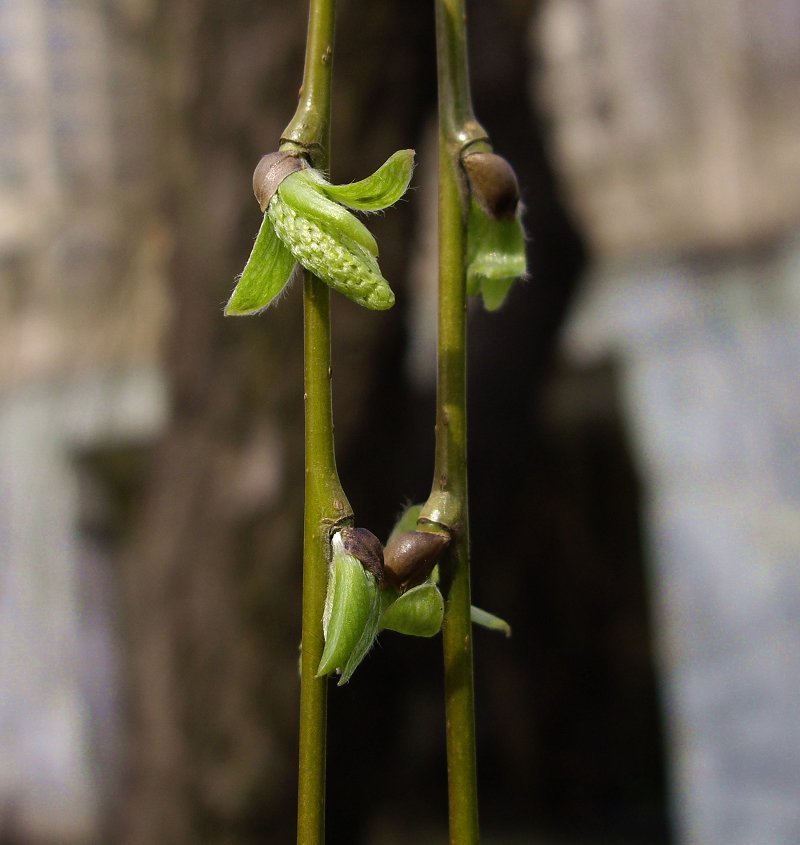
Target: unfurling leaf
{"x": 495, "y": 255}
{"x": 384, "y": 188}
{"x": 352, "y": 610}
{"x": 265, "y": 275}
{"x": 417, "y": 612}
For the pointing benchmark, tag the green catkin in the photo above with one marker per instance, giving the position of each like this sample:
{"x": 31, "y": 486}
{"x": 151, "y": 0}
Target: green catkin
{"x": 348, "y": 271}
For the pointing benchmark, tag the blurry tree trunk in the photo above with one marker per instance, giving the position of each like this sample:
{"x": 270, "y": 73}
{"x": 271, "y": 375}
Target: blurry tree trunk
{"x": 211, "y": 575}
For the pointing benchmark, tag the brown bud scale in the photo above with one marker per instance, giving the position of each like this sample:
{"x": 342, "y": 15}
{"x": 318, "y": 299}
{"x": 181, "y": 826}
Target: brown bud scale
{"x": 270, "y": 172}
{"x": 494, "y": 184}
{"x": 366, "y": 547}
{"x": 410, "y": 557}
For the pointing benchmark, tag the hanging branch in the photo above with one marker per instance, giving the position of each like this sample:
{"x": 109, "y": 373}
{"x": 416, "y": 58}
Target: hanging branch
{"x": 351, "y": 589}
{"x": 447, "y": 507}
{"x": 325, "y": 502}
{"x": 308, "y": 224}
{"x": 481, "y": 250}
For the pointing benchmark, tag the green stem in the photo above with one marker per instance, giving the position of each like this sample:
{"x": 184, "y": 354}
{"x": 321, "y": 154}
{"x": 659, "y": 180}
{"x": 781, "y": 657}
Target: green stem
{"x": 448, "y": 504}
{"x": 325, "y": 502}
{"x": 455, "y": 99}
{"x": 309, "y": 129}
{"x": 450, "y": 485}
{"x": 325, "y": 507}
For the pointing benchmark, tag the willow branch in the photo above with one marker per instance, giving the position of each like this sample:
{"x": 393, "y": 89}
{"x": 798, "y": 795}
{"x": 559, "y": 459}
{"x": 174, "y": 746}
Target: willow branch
{"x": 325, "y": 502}
{"x": 448, "y": 504}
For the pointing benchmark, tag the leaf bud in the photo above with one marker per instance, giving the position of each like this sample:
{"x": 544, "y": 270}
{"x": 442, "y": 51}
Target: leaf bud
{"x": 411, "y": 555}
{"x": 493, "y": 183}
{"x": 271, "y": 171}
{"x": 351, "y": 614}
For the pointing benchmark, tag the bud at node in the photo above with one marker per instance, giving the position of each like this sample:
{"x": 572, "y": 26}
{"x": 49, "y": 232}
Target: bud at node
{"x": 493, "y": 183}
{"x": 365, "y": 546}
{"x": 411, "y": 555}
{"x": 270, "y": 172}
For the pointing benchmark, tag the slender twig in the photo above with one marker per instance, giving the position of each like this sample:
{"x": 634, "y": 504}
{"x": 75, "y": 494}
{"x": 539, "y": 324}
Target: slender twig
{"x": 456, "y": 118}
{"x": 325, "y": 502}
{"x": 447, "y": 505}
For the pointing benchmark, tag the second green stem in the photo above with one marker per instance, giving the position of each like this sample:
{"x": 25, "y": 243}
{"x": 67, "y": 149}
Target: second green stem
{"x": 451, "y": 481}
{"x": 448, "y": 503}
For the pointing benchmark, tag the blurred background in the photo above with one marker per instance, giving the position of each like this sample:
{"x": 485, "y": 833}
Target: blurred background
{"x": 635, "y": 470}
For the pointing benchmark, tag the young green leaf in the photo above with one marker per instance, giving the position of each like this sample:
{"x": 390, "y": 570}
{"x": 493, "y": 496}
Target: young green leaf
{"x": 489, "y": 620}
{"x": 378, "y": 191}
{"x": 352, "y": 605}
{"x": 265, "y": 275}
{"x": 417, "y": 612}
{"x": 495, "y": 255}
{"x": 367, "y": 638}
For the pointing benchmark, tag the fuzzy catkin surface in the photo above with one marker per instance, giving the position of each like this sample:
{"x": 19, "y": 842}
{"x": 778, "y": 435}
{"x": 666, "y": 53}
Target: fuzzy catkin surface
{"x": 341, "y": 268}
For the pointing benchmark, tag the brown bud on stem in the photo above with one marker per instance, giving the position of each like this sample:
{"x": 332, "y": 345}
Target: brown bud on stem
{"x": 270, "y": 172}
{"x": 366, "y": 547}
{"x": 410, "y": 557}
{"x": 494, "y": 184}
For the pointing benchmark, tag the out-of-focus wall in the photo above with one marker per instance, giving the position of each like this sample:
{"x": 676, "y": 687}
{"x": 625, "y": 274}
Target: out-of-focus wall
{"x": 81, "y": 314}
{"x": 675, "y": 127}
{"x": 708, "y": 355}
{"x": 80, "y": 260}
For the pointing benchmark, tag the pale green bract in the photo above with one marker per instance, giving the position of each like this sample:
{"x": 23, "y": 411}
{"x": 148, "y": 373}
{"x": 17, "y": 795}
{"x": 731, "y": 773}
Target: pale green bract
{"x": 306, "y": 223}
{"x": 351, "y": 614}
{"x": 418, "y": 612}
{"x": 495, "y": 255}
